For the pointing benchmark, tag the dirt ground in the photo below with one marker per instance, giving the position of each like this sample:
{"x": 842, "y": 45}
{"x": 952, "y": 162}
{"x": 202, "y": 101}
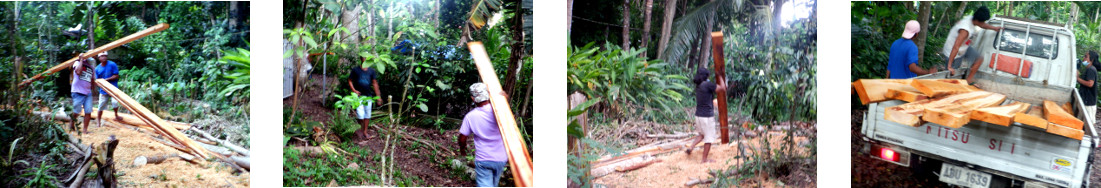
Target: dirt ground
{"x": 134, "y": 142}
{"x": 871, "y": 172}
{"x": 413, "y": 164}
{"x": 677, "y": 168}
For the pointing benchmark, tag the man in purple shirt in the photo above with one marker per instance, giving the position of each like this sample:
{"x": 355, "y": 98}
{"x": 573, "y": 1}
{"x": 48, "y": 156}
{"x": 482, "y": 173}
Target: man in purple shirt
{"x": 82, "y": 90}
{"x": 490, "y": 157}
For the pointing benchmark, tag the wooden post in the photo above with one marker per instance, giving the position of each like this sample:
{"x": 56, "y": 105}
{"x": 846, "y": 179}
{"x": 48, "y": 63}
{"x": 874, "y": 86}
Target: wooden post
{"x": 104, "y": 48}
{"x": 519, "y": 159}
{"x": 720, "y": 77}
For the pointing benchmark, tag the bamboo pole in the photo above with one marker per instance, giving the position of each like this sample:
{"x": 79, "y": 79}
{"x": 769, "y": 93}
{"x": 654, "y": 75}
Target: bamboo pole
{"x": 150, "y": 118}
{"x": 104, "y": 48}
{"x": 519, "y": 159}
{"x": 720, "y": 77}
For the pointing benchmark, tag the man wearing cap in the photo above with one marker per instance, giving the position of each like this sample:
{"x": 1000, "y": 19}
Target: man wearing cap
{"x": 959, "y": 39}
{"x": 82, "y": 90}
{"x": 363, "y": 80}
{"x": 490, "y": 157}
{"x": 109, "y": 71}
{"x": 903, "y": 60}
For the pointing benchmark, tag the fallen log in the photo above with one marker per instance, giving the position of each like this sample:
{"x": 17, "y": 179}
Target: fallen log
{"x": 152, "y": 119}
{"x": 1034, "y": 118}
{"x": 77, "y": 177}
{"x": 956, "y": 116}
{"x": 999, "y": 115}
{"x": 157, "y": 159}
{"x": 224, "y": 143}
{"x": 677, "y": 135}
{"x": 1065, "y": 131}
{"x": 631, "y": 167}
{"x": 244, "y": 162}
{"x": 910, "y": 113}
{"x": 1055, "y": 114}
{"x": 695, "y": 181}
{"x": 93, "y": 52}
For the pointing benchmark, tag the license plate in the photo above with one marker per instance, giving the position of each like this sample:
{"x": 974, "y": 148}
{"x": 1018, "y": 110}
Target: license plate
{"x": 963, "y": 177}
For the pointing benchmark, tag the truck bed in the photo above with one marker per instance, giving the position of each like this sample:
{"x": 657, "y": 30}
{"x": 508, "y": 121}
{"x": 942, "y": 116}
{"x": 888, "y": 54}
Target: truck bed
{"x": 1016, "y": 150}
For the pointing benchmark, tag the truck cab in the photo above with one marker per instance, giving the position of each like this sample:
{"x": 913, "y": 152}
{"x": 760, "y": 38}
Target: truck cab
{"x": 1028, "y": 61}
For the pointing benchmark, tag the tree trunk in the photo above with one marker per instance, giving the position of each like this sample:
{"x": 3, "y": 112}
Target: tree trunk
{"x": 15, "y": 52}
{"x": 666, "y": 26}
{"x": 923, "y": 19}
{"x": 909, "y": 6}
{"x": 1009, "y": 10}
{"x": 646, "y": 27}
{"x": 626, "y": 24}
{"x": 517, "y": 51}
{"x": 960, "y": 9}
{"x": 569, "y": 17}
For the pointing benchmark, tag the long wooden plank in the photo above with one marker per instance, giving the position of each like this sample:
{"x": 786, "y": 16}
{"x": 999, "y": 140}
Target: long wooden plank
{"x": 955, "y": 116}
{"x": 104, "y": 48}
{"x": 999, "y": 115}
{"x": 904, "y": 95}
{"x": 519, "y": 159}
{"x": 151, "y": 118}
{"x": 1065, "y": 131}
{"x": 720, "y": 77}
{"x": 1034, "y": 117}
{"x": 1055, "y": 114}
{"x": 133, "y": 120}
{"x": 933, "y": 88}
{"x": 910, "y": 113}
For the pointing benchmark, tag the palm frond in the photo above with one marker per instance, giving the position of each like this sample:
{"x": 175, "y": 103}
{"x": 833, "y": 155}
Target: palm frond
{"x": 481, "y": 12}
{"x": 691, "y": 25}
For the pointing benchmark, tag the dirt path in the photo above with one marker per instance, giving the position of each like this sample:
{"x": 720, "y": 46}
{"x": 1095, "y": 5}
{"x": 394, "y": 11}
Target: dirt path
{"x": 134, "y": 142}
{"x": 677, "y": 168}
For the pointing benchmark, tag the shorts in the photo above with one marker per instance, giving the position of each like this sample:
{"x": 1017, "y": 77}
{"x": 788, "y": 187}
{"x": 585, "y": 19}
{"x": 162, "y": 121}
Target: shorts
{"x": 364, "y": 110}
{"x": 103, "y": 102}
{"x": 706, "y": 127}
{"x": 968, "y": 57}
{"x": 82, "y": 101}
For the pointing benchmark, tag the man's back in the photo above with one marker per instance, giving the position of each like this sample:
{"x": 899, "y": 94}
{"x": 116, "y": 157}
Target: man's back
{"x": 481, "y": 124}
{"x": 903, "y": 52}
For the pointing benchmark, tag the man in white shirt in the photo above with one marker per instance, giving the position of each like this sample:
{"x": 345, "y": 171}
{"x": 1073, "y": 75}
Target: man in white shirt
{"x": 959, "y": 41}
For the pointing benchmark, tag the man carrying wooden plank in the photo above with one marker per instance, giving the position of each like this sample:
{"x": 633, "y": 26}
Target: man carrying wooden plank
{"x": 109, "y": 71}
{"x": 705, "y": 112}
{"x": 959, "y": 39}
{"x": 82, "y": 90}
{"x": 490, "y": 157}
{"x": 1088, "y": 79}
{"x": 903, "y": 57}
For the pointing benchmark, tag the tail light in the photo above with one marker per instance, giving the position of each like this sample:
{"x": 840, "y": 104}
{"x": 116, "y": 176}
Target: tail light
{"x": 889, "y": 154}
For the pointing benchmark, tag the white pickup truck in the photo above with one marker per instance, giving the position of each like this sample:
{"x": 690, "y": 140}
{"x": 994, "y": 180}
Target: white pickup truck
{"x": 987, "y": 155}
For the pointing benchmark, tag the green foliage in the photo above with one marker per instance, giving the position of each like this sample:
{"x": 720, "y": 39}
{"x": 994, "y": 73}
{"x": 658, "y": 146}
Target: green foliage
{"x": 622, "y": 77}
{"x": 239, "y": 78}
{"x": 40, "y": 177}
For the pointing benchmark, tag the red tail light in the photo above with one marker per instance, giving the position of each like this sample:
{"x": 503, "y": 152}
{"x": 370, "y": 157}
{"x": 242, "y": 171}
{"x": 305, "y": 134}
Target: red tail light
{"x": 888, "y": 154}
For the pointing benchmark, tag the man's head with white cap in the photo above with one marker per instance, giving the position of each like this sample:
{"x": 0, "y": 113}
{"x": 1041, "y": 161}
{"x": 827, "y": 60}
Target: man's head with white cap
{"x": 102, "y": 57}
{"x": 912, "y": 28}
{"x": 479, "y": 92}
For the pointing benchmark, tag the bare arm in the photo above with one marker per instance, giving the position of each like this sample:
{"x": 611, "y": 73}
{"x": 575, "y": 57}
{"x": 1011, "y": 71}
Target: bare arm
{"x": 918, "y": 70}
{"x": 888, "y": 74}
{"x": 462, "y": 144}
{"x": 353, "y": 87}
{"x": 956, "y": 48}
{"x": 1087, "y": 83}
{"x": 984, "y": 25}
{"x": 377, "y": 93}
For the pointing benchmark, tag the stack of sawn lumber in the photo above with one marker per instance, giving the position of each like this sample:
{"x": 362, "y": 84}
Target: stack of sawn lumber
{"x": 953, "y": 103}
{"x": 160, "y": 125}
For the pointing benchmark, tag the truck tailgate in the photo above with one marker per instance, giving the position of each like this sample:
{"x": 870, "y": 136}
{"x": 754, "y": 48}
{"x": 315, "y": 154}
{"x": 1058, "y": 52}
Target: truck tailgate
{"x": 1021, "y": 151}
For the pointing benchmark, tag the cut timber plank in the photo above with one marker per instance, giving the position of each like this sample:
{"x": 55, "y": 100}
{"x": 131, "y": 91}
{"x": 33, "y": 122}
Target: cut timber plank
{"x": 519, "y": 159}
{"x": 93, "y": 52}
{"x": 955, "y": 116}
{"x": 1065, "y": 131}
{"x": 875, "y": 90}
{"x": 904, "y": 95}
{"x": 1067, "y": 108}
{"x": 910, "y": 113}
{"x": 933, "y": 88}
{"x": 720, "y": 77}
{"x": 1000, "y": 115}
{"x": 152, "y": 119}
{"x": 1034, "y": 118}
{"x": 1055, "y": 114}
{"x": 133, "y": 120}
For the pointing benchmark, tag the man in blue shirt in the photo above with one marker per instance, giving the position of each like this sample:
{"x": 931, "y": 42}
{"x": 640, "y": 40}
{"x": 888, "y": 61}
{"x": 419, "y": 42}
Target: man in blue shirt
{"x": 903, "y": 59}
{"x": 109, "y": 71}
